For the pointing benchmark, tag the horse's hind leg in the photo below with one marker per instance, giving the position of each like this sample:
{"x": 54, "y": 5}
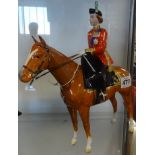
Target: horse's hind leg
{"x": 129, "y": 107}
{"x": 114, "y": 104}
{"x": 73, "y": 114}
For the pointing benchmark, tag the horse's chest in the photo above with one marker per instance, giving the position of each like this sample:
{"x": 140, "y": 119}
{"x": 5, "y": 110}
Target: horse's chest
{"x": 69, "y": 97}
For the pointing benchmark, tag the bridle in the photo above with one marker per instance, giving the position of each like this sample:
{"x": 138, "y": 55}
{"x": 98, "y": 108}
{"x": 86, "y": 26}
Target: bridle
{"x": 38, "y": 70}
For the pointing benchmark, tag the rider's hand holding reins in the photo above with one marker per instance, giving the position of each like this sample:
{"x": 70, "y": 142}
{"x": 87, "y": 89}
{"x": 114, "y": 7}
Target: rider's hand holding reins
{"x": 91, "y": 50}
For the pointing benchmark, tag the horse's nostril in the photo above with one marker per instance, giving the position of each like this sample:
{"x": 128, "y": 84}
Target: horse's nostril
{"x": 19, "y": 75}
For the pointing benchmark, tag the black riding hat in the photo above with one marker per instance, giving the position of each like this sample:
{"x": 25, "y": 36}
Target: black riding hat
{"x": 92, "y": 11}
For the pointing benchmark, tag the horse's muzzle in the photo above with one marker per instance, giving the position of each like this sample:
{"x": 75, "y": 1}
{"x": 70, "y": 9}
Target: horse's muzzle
{"x": 24, "y": 76}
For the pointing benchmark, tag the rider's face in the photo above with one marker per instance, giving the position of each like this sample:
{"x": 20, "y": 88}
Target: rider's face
{"x": 93, "y": 20}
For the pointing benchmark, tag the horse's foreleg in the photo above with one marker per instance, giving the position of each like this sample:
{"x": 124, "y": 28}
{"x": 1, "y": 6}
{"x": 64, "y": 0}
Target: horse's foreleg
{"x": 73, "y": 114}
{"x": 114, "y": 104}
{"x": 84, "y": 113}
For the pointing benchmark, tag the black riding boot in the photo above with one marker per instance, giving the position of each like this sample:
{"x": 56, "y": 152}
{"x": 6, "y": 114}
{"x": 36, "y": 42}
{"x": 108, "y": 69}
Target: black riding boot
{"x": 100, "y": 95}
{"x": 100, "y": 91}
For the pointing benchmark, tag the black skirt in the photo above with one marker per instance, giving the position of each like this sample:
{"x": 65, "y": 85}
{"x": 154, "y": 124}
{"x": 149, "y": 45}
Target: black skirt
{"x": 93, "y": 79}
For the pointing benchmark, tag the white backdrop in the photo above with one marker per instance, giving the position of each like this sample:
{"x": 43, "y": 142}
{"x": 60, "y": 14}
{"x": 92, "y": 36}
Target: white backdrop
{"x": 69, "y": 24}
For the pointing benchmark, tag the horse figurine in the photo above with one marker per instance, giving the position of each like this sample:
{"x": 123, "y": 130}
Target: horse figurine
{"x": 70, "y": 78}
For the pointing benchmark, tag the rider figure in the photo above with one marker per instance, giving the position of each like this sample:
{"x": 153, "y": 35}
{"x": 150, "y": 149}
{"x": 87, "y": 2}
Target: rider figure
{"x": 96, "y": 54}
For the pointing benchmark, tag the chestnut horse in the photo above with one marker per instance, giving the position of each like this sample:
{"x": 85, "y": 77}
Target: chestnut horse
{"x": 70, "y": 78}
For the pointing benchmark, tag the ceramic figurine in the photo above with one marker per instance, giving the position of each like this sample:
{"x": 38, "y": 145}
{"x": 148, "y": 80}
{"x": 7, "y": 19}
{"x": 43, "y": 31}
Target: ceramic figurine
{"x": 70, "y": 78}
{"x": 81, "y": 85}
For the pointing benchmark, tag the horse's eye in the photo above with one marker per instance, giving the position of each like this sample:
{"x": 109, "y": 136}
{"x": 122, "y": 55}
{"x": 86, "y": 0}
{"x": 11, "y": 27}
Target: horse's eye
{"x": 37, "y": 56}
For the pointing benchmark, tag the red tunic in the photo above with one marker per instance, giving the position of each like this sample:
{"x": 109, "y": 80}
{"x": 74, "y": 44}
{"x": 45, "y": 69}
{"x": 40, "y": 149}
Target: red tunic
{"x": 97, "y": 40}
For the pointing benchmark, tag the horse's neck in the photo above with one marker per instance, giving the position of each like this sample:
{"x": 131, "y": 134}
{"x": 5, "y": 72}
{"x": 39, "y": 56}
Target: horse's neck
{"x": 65, "y": 72}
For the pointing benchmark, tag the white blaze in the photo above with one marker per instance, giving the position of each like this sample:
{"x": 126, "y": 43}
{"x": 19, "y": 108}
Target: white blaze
{"x": 30, "y": 55}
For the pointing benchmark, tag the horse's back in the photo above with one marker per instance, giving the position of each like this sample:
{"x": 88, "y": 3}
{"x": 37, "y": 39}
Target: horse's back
{"x": 120, "y": 71}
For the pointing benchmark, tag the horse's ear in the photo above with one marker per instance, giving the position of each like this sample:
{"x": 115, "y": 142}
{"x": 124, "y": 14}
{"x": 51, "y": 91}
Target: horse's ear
{"x": 42, "y": 41}
{"x": 34, "y": 39}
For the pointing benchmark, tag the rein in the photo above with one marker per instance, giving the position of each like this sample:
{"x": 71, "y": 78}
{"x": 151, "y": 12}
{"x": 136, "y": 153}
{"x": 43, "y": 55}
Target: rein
{"x": 61, "y": 65}
{"x": 73, "y": 57}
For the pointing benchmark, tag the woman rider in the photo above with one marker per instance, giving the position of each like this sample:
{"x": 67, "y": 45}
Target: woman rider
{"x": 96, "y": 60}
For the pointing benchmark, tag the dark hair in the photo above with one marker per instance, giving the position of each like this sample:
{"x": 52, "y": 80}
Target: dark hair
{"x": 100, "y": 19}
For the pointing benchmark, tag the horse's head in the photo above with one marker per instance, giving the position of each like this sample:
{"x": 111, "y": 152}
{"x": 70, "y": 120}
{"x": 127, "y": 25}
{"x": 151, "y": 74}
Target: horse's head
{"x": 36, "y": 62}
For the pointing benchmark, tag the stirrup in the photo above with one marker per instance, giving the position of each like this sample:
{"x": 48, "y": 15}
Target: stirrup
{"x": 103, "y": 94}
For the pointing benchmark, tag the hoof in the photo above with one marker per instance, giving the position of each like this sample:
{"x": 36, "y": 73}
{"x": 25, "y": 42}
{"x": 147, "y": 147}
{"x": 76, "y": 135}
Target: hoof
{"x": 132, "y": 126}
{"x": 114, "y": 120}
{"x": 131, "y": 129}
{"x": 88, "y": 149}
{"x": 74, "y": 141}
